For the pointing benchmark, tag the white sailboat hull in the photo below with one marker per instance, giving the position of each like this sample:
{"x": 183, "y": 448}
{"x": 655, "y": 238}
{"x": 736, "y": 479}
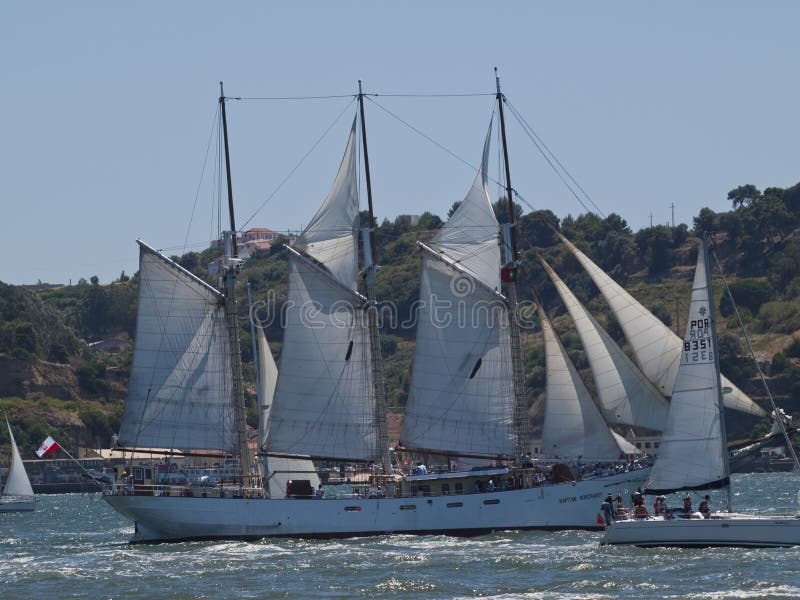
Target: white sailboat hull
{"x": 560, "y": 506}
{"x": 17, "y": 504}
{"x": 722, "y": 529}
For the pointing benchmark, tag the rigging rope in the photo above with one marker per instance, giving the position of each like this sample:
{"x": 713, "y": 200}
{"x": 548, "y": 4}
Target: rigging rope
{"x": 558, "y": 167}
{"x": 297, "y": 166}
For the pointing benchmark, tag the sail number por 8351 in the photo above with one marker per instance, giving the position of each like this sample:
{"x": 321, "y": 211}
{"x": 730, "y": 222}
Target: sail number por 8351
{"x": 698, "y": 350}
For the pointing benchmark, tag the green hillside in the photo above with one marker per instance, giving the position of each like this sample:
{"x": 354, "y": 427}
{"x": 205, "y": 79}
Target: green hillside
{"x": 65, "y": 352}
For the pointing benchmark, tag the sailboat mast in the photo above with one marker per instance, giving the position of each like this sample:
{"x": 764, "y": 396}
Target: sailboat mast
{"x": 715, "y": 348}
{"x": 521, "y": 426}
{"x": 370, "y": 254}
{"x": 234, "y": 249}
{"x": 232, "y": 318}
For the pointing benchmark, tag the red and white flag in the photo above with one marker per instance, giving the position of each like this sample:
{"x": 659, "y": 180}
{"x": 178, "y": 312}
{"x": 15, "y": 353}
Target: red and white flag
{"x": 48, "y": 446}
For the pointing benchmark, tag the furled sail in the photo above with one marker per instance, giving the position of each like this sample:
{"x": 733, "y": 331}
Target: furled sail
{"x": 656, "y": 348}
{"x": 461, "y": 399}
{"x": 324, "y": 404}
{"x": 573, "y": 425}
{"x": 180, "y": 390}
{"x": 692, "y": 454}
{"x": 17, "y": 483}
{"x": 626, "y": 396}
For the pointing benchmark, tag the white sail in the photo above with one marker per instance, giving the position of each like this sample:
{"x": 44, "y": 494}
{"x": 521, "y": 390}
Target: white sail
{"x": 267, "y": 378}
{"x": 573, "y": 425}
{"x": 626, "y": 396}
{"x": 692, "y": 454}
{"x": 656, "y": 348}
{"x": 470, "y": 238}
{"x": 179, "y": 394}
{"x": 281, "y": 469}
{"x": 461, "y": 398}
{"x": 330, "y": 237}
{"x": 324, "y": 403}
{"x": 17, "y": 483}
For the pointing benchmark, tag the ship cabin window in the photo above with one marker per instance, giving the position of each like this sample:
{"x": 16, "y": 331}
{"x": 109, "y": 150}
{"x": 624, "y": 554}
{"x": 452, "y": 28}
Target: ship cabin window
{"x": 138, "y": 474}
{"x": 639, "y": 445}
{"x": 647, "y": 444}
{"x": 459, "y": 488}
{"x": 425, "y": 489}
{"x": 445, "y": 489}
{"x": 412, "y": 490}
{"x": 656, "y": 444}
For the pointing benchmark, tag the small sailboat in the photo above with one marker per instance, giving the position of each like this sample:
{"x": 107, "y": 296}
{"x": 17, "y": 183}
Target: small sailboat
{"x": 693, "y": 453}
{"x": 18, "y": 493}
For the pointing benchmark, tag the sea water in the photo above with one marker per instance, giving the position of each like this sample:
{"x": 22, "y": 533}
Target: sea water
{"x": 75, "y": 546}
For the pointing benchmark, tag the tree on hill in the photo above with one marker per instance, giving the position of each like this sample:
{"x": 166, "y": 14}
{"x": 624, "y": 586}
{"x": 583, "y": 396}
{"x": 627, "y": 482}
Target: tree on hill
{"x": 744, "y": 195}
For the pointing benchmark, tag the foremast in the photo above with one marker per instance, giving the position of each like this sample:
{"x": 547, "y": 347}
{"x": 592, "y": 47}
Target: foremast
{"x": 509, "y": 277}
{"x": 230, "y": 270}
{"x": 370, "y": 247}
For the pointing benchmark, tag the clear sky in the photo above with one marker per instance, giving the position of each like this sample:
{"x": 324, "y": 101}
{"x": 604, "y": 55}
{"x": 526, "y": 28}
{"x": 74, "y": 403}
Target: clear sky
{"x": 107, "y": 109}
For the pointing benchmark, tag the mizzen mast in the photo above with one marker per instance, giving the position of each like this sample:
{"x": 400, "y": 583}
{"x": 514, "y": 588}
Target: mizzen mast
{"x": 230, "y": 269}
{"x": 509, "y": 276}
{"x": 370, "y": 253}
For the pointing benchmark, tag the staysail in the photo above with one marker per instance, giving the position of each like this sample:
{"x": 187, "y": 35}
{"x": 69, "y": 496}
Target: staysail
{"x": 17, "y": 483}
{"x": 281, "y": 469}
{"x": 461, "y": 399}
{"x": 573, "y": 426}
{"x": 656, "y": 348}
{"x": 693, "y": 453}
{"x": 626, "y": 396}
{"x": 324, "y": 404}
{"x": 179, "y": 394}
{"x": 267, "y": 379}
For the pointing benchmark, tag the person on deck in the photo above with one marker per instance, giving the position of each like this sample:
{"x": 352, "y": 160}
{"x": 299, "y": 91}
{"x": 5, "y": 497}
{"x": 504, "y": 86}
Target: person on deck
{"x": 687, "y": 505}
{"x": 704, "y": 508}
{"x": 607, "y": 508}
{"x": 660, "y": 507}
{"x": 421, "y": 469}
{"x": 621, "y": 512}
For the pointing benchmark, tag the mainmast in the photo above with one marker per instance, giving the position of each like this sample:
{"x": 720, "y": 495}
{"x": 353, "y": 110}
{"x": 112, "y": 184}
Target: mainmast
{"x": 370, "y": 253}
{"x": 509, "y": 276}
{"x": 230, "y": 268}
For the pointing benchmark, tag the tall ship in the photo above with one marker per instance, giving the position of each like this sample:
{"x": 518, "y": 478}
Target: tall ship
{"x": 325, "y": 401}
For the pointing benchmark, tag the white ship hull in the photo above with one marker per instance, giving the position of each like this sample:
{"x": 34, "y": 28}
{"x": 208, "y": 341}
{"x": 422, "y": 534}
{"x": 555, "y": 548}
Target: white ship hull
{"x": 561, "y": 506}
{"x": 721, "y": 530}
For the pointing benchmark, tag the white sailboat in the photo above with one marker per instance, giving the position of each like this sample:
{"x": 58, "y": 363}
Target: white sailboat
{"x": 185, "y": 393}
{"x": 17, "y": 494}
{"x": 693, "y": 453}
